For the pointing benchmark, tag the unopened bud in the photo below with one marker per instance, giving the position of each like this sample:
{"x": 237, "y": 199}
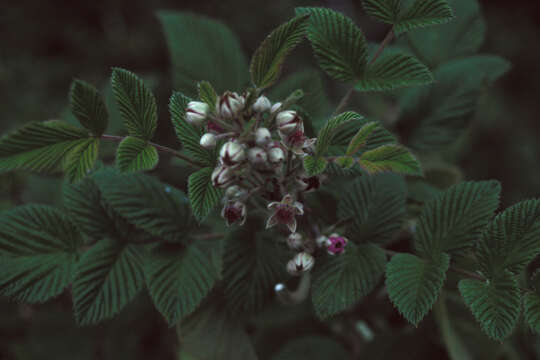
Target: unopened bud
{"x": 257, "y": 156}
{"x": 229, "y": 104}
{"x": 295, "y": 241}
{"x": 263, "y": 136}
{"x": 234, "y": 212}
{"x": 196, "y": 112}
{"x": 321, "y": 240}
{"x": 222, "y": 176}
{"x": 276, "y": 155}
{"x": 232, "y": 153}
{"x": 262, "y": 104}
{"x": 235, "y": 192}
{"x": 302, "y": 262}
{"x": 308, "y": 184}
{"x": 275, "y": 107}
{"x": 288, "y": 122}
{"x": 208, "y": 141}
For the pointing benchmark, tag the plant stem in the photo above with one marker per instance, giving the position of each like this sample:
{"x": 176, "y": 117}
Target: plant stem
{"x": 161, "y": 148}
{"x": 387, "y": 39}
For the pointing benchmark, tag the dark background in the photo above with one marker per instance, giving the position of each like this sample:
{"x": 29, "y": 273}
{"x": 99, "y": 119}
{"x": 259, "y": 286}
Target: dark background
{"x": 45, "y": 44}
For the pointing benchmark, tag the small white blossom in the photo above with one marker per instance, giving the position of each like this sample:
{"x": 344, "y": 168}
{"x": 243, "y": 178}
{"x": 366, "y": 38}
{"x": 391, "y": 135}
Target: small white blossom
{"x": 229, "y": 104}
{"x": 232, "y": 153}
{"x": 196, "y": 112}
{"x": 302, "y": 262}
{"x": 262, "y": 104}
{"x": 263, "y": 137}
{"x": 208, "y": 141}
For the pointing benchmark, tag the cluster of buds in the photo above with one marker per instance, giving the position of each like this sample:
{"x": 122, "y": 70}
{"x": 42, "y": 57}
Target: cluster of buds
{"x": 261, "y": 150}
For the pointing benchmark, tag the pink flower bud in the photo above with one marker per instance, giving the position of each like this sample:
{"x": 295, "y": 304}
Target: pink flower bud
{"x": 229, "y": 104}
{"x": 196, "y": 112}
{"x": 263, "y": 137}
{"x": 288, "y": 122}
{"x": 302, "y": 262}
{"x": 232, "y": 153}
{"x": 234, "y": 212}
{"x": 262, "y": 104}
{"x": 208, "y": 141}
{"x": 257, "y": 156}
{"x": 222, "y": 176}
{"x": 336, "y": 244}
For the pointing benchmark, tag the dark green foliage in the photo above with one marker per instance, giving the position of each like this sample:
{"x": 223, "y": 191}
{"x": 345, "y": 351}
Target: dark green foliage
{"x": 136, "y": 103}
{"x": 340, "y": 282}
{"x": 414, "y": 284}
{"x": 390, "y": 158}
{"x": 135, "y": 154}
{"x": 268, "y": 59}
{"x": 80, "y": 160}
{"x": 423, "y": 13}
{"x": 312, "y": 348}
{"x": 38, "y": 251}
{"x": 207, "y": 94}
{"x": 203, "y": 196}
{"x": 88, "y": 107}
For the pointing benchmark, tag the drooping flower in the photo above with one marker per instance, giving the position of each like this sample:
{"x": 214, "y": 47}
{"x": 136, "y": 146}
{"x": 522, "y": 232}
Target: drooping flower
{"x": 234, "y": 212}
{"x": 284, "y": 212}
{"x": 302, "y": 262}
{"x": 336, "y": 244}
{"x": 196, "y": 112}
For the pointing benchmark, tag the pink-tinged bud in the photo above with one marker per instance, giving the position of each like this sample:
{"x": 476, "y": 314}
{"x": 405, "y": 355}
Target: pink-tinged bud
{"x": 263, "y": 137}
{"x": 276, "y": 107}
{"x": 257, "y": 156}
{"x": 262, "y": 104}
{"x": 229, "y": 104}
{"x": 234, "y": 212}
{"x": 336, "y": 244}
{"x": 321, "y": 240}
{"x": 232, "y": 153}
{"x": 208, "y": 141}
{"x": 276, "y": 155}
{"x": 288, "y": 122}
{"x": 295, "y": 241}
{"x": 196, "y": 112}
{"x": 222, "y": 176}
{"x": 235, "y": 192}
{"x": 302, "y": 262}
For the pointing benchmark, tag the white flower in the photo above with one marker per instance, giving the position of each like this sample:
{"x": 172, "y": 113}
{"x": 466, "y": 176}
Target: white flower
{"x": 222, "y": 176}
{"x": 232, "y": 153}
{"x": 196, "y": 112}
{"x": 257, "y": 156}
{"x": 288, "y": 122}
{"x": 276, "y": 155}
{"x": 262, "y": 104}
{"x": 263, "y": 136}
{"x": 208, "y": 141}
{"x": 285, "y": 212}
{"x": 229, "y": 104}
{"x": 234, "y": 212}
{"x": 302, "y": 262}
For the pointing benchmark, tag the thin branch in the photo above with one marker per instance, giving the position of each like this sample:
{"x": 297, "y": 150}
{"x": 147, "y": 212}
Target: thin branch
{"x": 161, "y": 148}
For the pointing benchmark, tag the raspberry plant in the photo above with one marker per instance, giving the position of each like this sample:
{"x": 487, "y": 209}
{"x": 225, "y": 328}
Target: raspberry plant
{"x": 312, "y": 200}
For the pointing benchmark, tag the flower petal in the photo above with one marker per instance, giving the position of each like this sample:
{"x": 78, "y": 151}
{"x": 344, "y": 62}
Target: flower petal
{"x": 292, "y": 225}
{"x": 272, "y": 221}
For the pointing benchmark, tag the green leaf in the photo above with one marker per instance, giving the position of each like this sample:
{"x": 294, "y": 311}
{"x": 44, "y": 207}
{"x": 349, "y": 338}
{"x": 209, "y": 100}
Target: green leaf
{"x": 330, "y": 130}
{"x": 414, "y": 284}
{"x": 189, "y": 135}
{"x": 268, "y": 59}
{"x": 88, "y": 107}
{"x": 312, "y": 347}
{"x": 253, "y": 263}
{"x": 38, "y": 252}
{"x": 108, "y": 277}
{"x": 157, "y": 208}
{"x": 80, "y": 160}
{"x": 531, "y": 304}
{"x": 512, "y": 240}
{"x": 461, "y": 37}
{"x": 338, "y": 44}
{"x": 135, "y": 154}
{"x": 212, "y": 333}
{"x": 362, "y": 137}
{"x": 393, "y": 71}
{"x": 424, "y": 13}
{"x": 207, "y": 94}
{"x": 203, "y": 196}
{"x": 386, "y": 11}
{"x": 179, "y": 279}
{"x": 434, "y": 117}
{"x": 84, "y": 203}
{"x": 203, "y": 49}
{"x": 136, "y": 103}
{"x": 340, "y": 282}
{"x": 495, "y": 303}
{"x": 376, "y": 205}
{"x": 39, "y": 146}
{"x": 314, "y": 165}
{"x": 394, "y": 158}
{"x": 455, "y": 219}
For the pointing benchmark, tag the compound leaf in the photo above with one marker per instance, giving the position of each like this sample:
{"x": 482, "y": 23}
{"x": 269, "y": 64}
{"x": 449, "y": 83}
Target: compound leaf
{"x": 135, "y": 154}
{"x": 203, "y": 196}
{"x": 394, "y": 158}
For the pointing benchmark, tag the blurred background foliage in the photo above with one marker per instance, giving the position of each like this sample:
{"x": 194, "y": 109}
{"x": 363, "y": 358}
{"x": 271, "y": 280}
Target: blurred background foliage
{"x": 44, "y": 45}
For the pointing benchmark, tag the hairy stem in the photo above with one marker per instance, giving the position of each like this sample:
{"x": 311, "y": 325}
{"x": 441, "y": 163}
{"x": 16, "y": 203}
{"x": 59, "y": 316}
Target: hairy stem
{"x": 160, "y": 148}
